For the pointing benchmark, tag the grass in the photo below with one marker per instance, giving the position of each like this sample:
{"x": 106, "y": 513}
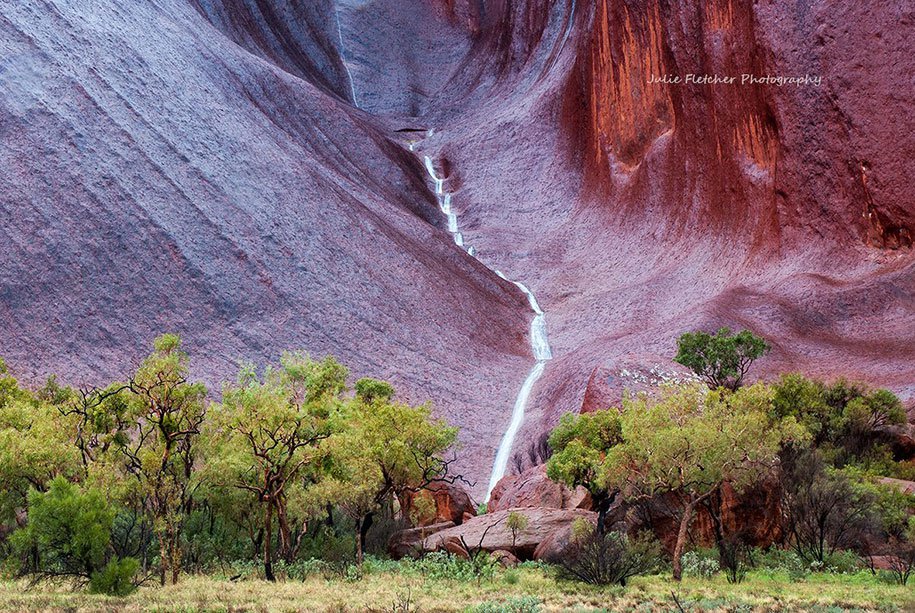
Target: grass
{"x": 392, "y": 590}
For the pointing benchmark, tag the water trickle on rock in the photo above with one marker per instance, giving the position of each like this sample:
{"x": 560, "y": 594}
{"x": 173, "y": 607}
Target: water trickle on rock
{"x": 540, "y": 345}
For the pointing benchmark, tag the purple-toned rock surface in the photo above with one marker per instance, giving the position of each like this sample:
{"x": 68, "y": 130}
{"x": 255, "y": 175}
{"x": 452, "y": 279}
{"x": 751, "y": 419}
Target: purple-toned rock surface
{"x": 200, "y": 166}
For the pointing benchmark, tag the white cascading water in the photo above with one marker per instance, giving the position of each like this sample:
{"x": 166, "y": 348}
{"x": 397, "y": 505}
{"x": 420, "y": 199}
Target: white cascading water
{"x": 539, "y": 343}
{"x": 352, "y": 83}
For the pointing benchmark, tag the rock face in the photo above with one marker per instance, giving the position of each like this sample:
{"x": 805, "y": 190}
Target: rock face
{"x": 440, "y": 502}
{"x": 752, "y": 515}
{"x": 490, "y": 532}
{"x": 202, "y": 167}
{"x": 901, "y": 439}
{"x": 533, "y": 488}
{"x": 410, "y": 542}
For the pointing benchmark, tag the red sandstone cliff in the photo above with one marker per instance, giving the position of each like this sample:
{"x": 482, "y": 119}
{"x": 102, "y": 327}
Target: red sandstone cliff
{"x": 200, "y": 166}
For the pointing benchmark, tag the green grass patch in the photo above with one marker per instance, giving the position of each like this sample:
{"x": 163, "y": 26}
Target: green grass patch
{"x": 396, "y": 587}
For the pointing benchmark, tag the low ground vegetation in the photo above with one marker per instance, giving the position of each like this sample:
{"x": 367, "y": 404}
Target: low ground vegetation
{"x": 440, "y": 585}
{"x": 143, "y": 494}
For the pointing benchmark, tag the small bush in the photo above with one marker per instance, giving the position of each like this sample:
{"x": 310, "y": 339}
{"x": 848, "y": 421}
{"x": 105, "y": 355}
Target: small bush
{"x": 443, "y": 565}
{"x": 780, "y": 561}
{"x": 116, "y": 579}
{"x": 700, "y": 564}
{"x": 607, "y": 559}
{"x": 300, "y": 570}
{"x": 68, "y": 533}
{"x": 524, "y": 604}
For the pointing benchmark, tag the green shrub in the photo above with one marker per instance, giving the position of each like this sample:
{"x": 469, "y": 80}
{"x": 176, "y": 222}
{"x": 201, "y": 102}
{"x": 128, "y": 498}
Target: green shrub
{"x": 840, "y": 563}
{"x": 524, "y": 604}
{"x": 68, "y": 531}
{"x": 299, "y": 570}
{"x": 376, "y": 565}
{"x": 116, "y": 579}
{"x": 780, "y": 561}
{"x": 722, "y": 359}
{"x": 443, "y": 565}
{"x": 607, "y": 559}
{"x": 701, "y": 563}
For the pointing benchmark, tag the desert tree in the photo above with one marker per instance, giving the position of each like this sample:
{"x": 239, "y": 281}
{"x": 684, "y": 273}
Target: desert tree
{"x": 722, "y": 359}
{"x": 35, "y": 447}
{"x": 580, "y": 444}
{"x": 152, "y": 435}
{"x": 688, "y": 443}
{"x": 68, "y": 535}
{"x": 386, "y": 451}
{"x": 823, "y": 510}
{"x": 266, "y": 438}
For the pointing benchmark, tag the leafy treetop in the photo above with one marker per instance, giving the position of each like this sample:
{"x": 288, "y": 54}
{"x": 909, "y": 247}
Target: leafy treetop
{"x": 722, "y": 359}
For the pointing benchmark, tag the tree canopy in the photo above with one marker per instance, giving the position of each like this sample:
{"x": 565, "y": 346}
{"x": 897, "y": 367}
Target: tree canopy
{"x": 722, "y": 359}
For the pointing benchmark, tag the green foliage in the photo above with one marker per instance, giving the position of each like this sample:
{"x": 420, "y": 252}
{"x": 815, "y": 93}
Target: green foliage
{"x": 443, "y": 565}
{"x": 699, "y": 563}
{"x": 867, "y": 413}
{"x": 521, "y": 604}
{"x": 265, "y": 439}
{"x": 517, "y": 523}
{"x": 842, "y": 418}
{"x": 825, "y": 510}
{"x": 34, "y": 448}
{"x": 156, "y": 441}
{"x": 35, "y": 445}
{"x": 116, "y": 579}
{"x": 723, "y": 359}
{"x": 373, "y": 390}
{"x": 607, "y": 559}
{"x": 580, "y": 444}
{"x": 69, "y": 534}
{"x": 387, "y": 449}
{"x": 691, "y": 442}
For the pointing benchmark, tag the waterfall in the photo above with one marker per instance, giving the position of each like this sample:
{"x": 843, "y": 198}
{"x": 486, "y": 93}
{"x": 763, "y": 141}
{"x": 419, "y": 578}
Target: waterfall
{"x": 540, "y": 346}
{"x": 352, "y": 84}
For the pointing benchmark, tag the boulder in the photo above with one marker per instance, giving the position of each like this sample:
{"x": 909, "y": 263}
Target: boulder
{"x": 409, "y": 542}
{"x": 906, "y": 487}
{"x": 491, "y": 533}
{"x": 885, "y": 562}
{"x": 439, "y": 502}
{"x": 533, "y": 488}
{"x": 901, "y": 439}
{"x": 553, "y": 547}
{"x": 612, "y": 380}
{"x": 506, "y": 559}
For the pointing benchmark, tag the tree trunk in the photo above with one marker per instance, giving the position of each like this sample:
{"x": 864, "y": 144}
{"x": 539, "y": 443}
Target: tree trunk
{"x": 366, "y": 524}
{"x": 603, "y": 503}
{"x": 285, "y": 531}
{"x": 268, "y": 542}
{"x": 685, "y": 521}
{"x": 176, "y": 558}
{"x": 163, "y": 558}
{"x": 362, "y": 527}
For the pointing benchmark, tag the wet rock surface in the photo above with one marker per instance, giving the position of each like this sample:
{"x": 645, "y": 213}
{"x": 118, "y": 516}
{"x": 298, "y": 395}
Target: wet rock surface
{"x": 491, "y": 533}
{"x": 533, "y": 488}
{"x": 201, "y": 167}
